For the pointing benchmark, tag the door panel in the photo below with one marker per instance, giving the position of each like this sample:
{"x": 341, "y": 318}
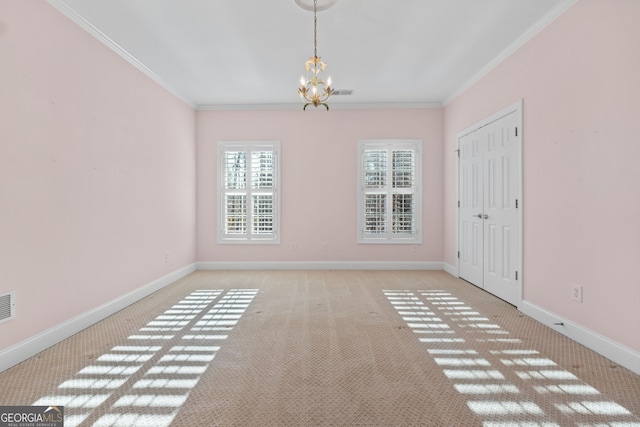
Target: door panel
{"x": 490, "y": 235}
{"x": 502, "y": 217}
{"x": 471, "y": 201}
{"x": 507, "y": 267}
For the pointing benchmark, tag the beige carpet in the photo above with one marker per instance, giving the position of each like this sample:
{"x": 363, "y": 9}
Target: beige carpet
{"x": 343, "y": 348}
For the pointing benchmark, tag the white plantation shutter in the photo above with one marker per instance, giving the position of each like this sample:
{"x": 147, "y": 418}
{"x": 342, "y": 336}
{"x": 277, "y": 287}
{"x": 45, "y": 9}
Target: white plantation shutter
{"x": 388, "y": 194}
{"x": 249, "y": 202}
{"x": 262, "y": 184}
{"x": 403, "y": 190}
{"x": 375, "y": 213}
{"x": 375, "y": 184}
{"x": 235, "y": 214}
{"x": 235, "y": 197}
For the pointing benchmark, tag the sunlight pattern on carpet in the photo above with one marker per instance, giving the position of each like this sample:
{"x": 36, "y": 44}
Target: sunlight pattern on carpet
{"x": 506, "y": 383}
{"x": 145, "y": 381}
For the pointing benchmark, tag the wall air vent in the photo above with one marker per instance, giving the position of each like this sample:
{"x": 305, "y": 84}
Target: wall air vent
{"x": 342, "y": 92}
{"x": 7, "y": 306}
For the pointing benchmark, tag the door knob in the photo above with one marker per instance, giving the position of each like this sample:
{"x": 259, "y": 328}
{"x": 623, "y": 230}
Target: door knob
{"x": 482, "y": 216}
{"x": 478, "y": 216}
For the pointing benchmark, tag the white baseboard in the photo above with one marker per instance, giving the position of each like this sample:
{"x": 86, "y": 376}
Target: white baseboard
{"x": 30, "y": 347}
{"x": 610, "y": 349}
{"x": 321, "y": 265}
{"x": 20, "y": 352}
{"x": 451, "y": 269}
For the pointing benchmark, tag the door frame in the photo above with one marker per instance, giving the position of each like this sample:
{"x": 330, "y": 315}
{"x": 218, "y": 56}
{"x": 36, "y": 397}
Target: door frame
{"x": 517, "y": 108}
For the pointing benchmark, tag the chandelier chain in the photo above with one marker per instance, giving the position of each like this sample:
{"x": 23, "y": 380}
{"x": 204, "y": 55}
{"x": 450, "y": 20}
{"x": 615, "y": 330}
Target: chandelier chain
{"x": 315, "y": 28}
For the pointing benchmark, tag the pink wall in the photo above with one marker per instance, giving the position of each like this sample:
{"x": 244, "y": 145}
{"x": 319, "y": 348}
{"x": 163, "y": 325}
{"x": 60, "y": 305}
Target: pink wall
{"x": 319, "y": 173}
{"x": 97, "y": 172}
{"x": 580, "y": 82}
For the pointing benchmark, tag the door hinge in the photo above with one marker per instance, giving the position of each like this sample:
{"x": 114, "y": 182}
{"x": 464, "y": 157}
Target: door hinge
{"x": 458, "y": 203}
{"x": 516, "y": 130}
{"x": 516, "y": 275}
{"x": 458, "y": 254}
{"x": 516, "y": 203}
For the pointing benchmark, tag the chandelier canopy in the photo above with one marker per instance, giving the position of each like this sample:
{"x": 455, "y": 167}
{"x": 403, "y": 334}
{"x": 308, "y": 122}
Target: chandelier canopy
{"x": 313, "y": 89}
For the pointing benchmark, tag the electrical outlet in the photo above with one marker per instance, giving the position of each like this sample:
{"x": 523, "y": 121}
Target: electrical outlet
{"x": 167, "y": 257}
{"x": 576, "y": 292}
{"x": 323, "y": 246}
{"x": 293, "y": 247}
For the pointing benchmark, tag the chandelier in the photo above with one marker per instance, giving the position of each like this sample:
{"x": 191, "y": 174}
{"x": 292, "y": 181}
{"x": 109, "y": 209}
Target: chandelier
{"x": 314, "y": 90}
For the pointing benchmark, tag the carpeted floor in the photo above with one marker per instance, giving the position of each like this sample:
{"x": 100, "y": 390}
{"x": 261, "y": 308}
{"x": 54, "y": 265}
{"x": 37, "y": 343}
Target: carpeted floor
{"x": 340, "y": 348}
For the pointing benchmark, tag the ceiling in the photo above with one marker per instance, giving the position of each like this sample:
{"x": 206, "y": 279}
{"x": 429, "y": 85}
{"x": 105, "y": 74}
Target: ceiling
{"x": 231, "y": 54}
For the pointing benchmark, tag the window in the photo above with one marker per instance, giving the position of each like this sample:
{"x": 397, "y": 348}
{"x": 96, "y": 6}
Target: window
{"x": 248, "y": 188}
{"x": 389, "y": 202}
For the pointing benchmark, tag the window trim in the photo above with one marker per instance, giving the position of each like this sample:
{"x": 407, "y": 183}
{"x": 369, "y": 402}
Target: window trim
{"x": 372, "y": 144}
{"x": 248, "y": 238}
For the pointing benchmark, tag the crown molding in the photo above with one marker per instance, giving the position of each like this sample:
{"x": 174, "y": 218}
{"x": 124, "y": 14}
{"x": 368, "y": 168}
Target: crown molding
{"x": 80, "y": 20}
{"x": 547, "y": 19}
{"x": 74, "y": 16}
{"x": 298, "y": 106}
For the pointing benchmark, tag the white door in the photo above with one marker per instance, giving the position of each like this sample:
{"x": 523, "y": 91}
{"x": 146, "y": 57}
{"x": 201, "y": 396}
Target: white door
{"x": 501, "y": 204}
{"x": 471, "y": 259}
{"x": 490, "y": 203}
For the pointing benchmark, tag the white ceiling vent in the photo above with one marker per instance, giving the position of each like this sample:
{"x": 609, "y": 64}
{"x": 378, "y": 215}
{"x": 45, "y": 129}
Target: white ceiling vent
{"x": 7, "y": 306}
{"x": 342, "y": 92}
